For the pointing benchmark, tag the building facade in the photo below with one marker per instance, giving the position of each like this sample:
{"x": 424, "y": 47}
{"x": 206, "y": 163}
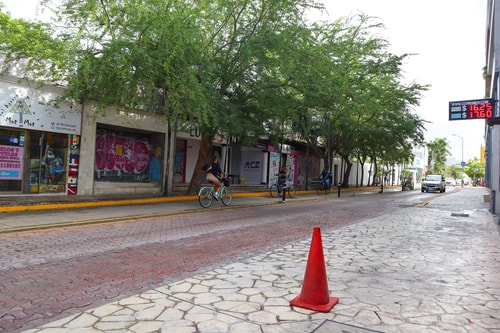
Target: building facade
{"x": 57, "y": 147}
{"x": 492, "y": 148}
{"x": 39, "y": 139}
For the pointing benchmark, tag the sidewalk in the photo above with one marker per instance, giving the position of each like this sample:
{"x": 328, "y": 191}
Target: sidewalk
{"x": 414, "y": 270}
{"x": 16, "y": 213}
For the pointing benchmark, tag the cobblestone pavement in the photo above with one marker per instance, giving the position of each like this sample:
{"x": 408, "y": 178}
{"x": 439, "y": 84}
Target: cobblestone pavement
{"x": 51, "y": 273}
{"x": 408, "y": 270}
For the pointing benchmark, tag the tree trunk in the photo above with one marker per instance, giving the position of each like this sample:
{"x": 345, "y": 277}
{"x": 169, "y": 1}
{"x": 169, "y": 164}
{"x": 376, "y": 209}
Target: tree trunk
{"x": 347, "y": 171}
{"x": 375, "y": 170}
{"x": 204, "y": 157}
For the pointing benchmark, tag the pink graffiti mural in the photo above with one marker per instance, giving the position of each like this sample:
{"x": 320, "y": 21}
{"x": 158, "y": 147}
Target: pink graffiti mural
{"x": 119, "y": 153}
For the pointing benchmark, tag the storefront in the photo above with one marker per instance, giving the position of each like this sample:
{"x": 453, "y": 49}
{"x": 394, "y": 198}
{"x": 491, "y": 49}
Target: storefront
{"x": 50, "y": 146}
{"x": 126, "y": 156}
{"x": 187, "y": 147}
{"x": 39, "y": 140}
{"x": 302, "y": 166}
{"x": 279, "y": 159}
{"x": 123, "y": 152}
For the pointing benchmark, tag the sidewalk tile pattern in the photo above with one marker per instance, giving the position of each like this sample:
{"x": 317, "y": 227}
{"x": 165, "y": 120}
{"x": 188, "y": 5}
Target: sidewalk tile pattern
{"x": 414, "y": 270}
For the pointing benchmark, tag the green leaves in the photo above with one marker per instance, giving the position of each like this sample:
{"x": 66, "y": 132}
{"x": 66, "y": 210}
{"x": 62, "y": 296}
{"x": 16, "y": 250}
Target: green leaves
{"x": 250, "y": 66}
{"x": 438, "y": 153}
{"x": 32, "y": 45}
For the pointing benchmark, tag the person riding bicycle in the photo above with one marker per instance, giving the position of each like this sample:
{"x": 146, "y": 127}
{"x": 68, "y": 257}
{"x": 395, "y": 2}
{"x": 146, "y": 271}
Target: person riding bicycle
{"x": 324, "y": 177}
{"x": 213, "y": 172}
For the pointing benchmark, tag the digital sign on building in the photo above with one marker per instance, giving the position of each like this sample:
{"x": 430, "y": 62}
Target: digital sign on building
{"x": 471, "y": 109}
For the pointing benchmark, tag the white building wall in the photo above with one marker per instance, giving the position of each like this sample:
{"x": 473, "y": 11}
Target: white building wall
{"x": 192, "y": 151}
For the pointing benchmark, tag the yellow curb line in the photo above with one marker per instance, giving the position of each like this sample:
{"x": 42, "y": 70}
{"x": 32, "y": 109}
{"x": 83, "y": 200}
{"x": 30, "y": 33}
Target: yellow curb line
{"x": 86, "y": 204}
{"x": 425, "y": 203}
{"x": 132, "y": 218}
{"x": 143, "y": 216}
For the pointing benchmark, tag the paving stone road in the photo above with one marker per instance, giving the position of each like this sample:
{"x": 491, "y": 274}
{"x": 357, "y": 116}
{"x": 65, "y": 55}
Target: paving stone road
{"x": 49, "y": 275}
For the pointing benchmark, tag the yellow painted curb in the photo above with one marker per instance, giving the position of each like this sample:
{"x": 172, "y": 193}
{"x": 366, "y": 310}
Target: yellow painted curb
{"x": 86, "y": 204}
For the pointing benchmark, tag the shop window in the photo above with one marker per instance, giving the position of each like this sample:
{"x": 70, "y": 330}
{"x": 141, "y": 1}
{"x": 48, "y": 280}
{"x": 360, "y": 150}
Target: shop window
{"x": 11, "y": 160}
{"x": 122, "y": 156}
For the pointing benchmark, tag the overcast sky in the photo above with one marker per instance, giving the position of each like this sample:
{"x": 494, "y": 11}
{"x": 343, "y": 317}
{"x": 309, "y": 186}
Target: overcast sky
{"x": 448, "y": 38}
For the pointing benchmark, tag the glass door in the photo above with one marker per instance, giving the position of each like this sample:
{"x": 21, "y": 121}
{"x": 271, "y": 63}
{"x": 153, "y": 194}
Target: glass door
{"x": 33, "y": 160}
{"x": 54, "y": 163}
{"x": 46, "y": 162}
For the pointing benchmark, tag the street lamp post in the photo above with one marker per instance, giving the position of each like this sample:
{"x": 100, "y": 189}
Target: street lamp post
{"x": 462, "y": 164}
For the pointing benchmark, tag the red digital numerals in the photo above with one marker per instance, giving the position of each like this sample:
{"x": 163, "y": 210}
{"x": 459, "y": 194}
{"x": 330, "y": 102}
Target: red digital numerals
{"x": 483, "y": 110}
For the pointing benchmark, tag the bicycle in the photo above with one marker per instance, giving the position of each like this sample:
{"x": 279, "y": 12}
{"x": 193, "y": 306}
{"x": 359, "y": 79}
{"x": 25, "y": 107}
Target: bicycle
{"x": 276, "y": 189}
{"x": 206, "y": 194}
{"x": 323, "y": 187}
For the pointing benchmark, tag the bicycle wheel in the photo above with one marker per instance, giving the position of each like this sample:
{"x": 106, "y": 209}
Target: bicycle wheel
{"x": 205, "y": 197}
{"x": 291, "y": 191}
{"x": 226, "y": 195}
{"x": 273, "y": 191}
{"x": 327, "y": 188}
{"x": 319, "y": 188}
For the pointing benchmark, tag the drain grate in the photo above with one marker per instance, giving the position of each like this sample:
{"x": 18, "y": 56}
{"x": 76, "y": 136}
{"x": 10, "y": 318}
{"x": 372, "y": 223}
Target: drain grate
{"x": 460, "y": 214}
{"x": 330, "y": 326}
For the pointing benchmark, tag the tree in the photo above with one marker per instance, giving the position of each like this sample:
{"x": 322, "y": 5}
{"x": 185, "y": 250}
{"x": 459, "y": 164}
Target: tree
{"x": 454, "y": 171}
{"x": 239, "y": 67}
{"x": 199, "y": 64}
{"x": 474, "y": 169}
{"x": 29, "y": 46}
{"x": 247, "y": 44}
{"x": 359, "y": 108}
{"x": 438, "y": 152}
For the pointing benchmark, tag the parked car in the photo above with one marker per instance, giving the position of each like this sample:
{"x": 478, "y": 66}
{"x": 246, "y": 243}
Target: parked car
{"x": 434, "y": 183}
{"x": 450, "y": 181}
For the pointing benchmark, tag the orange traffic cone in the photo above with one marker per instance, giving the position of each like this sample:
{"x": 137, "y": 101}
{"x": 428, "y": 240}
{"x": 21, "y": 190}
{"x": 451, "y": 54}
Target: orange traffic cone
{"x": 314, "y": 294}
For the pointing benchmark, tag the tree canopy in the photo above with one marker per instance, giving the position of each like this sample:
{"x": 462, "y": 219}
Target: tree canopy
{"x": 234, "y": 67}
{"x": 439, "y": 150}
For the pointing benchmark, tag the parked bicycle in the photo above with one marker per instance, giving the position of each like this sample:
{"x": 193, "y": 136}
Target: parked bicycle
{"x": 206, "y": 194}
{"x": 275, "y": 189}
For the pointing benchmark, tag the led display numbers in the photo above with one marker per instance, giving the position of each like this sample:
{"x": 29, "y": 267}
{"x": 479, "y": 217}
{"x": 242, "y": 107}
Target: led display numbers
{"x": 472, "y": 109}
